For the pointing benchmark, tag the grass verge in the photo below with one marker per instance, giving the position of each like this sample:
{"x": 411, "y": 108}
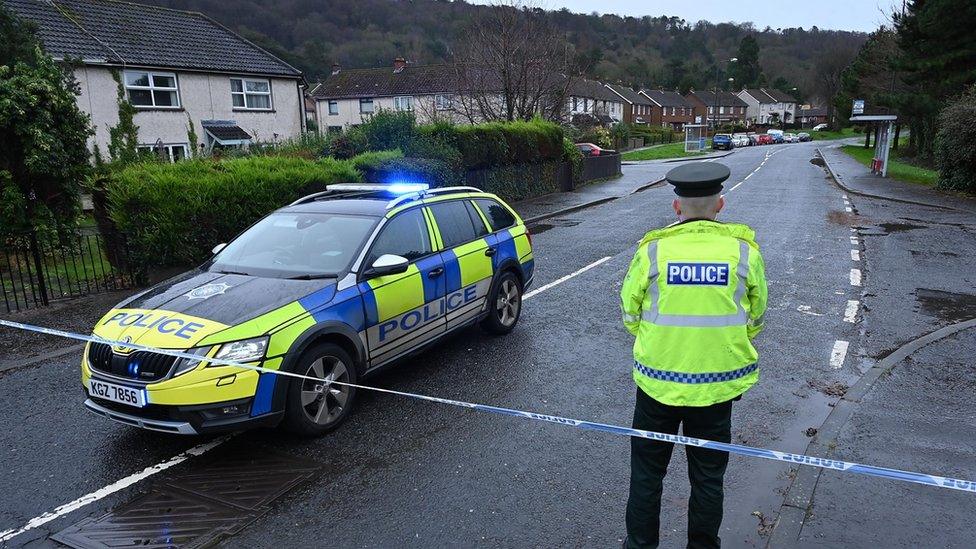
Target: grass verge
{"x": 658, "y": 152}
{"x": 898, "y": 167}
{"x": 844, "y": 133}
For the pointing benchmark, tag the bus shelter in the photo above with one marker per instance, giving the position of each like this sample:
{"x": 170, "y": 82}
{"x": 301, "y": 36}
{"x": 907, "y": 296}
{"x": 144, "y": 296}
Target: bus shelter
{"x": 885, "y": 124}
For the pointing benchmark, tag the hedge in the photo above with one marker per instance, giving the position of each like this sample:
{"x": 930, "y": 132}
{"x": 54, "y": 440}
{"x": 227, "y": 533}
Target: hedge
{"x": 955, "y": 156}
{"x": 173, "y": 214}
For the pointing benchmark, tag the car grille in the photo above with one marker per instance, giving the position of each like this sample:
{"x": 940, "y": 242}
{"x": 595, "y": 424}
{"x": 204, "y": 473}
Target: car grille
{"x": 142, "y": 366}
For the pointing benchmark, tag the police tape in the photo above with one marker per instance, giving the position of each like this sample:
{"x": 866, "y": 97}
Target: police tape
{"x": 739, "y": 449}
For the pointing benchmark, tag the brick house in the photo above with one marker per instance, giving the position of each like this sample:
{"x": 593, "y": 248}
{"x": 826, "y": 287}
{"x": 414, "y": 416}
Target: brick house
{"x": 670, "y": 109}
{"x": 637, "y": 108}
{"x": 719, "y": 108}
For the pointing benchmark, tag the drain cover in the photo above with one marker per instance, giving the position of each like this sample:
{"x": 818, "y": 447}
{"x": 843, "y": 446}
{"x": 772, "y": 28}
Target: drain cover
{"x": 196, "y": 507}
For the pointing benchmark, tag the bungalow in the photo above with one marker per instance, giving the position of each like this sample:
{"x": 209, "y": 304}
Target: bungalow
{"x": 183, "y": 72}
{"x": 637, "y": 108}
{"x": 670, "y": 109}
{"x": 592, "y": 97}
{"x": 768, "y": 106}
{"x": 716, "y": 108}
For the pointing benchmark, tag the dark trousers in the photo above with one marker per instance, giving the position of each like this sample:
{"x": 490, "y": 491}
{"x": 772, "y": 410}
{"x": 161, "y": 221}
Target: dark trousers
{"x": 649, "y": 463}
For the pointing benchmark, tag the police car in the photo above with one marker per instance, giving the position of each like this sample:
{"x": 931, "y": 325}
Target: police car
{"x": 334, "y": 286}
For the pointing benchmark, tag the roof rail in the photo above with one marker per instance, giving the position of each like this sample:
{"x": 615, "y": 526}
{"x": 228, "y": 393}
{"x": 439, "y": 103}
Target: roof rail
{"x": 421, "y": 194}
{"x": 353, "y": 189}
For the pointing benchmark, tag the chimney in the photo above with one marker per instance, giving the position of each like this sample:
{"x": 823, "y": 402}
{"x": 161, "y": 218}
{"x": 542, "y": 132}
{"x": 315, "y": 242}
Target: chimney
{"x": 398, "y": 64}
{"x": 336, "y": 68}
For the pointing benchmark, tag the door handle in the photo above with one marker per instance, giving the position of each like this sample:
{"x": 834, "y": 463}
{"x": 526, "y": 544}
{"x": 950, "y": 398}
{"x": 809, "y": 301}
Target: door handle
{"x": 491, "y": 251}
{"x": 434, "y": 273}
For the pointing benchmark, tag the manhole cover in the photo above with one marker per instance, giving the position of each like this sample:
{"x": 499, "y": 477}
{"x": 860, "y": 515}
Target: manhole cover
{"x": 198, "y": 506}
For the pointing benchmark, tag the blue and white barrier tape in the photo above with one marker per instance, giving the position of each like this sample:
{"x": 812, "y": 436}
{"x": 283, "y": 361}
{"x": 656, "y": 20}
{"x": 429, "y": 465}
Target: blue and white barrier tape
{"x": 750, "y": 451}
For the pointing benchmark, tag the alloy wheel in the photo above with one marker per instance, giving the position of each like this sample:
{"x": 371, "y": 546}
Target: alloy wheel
{"x": 323, "y": 402}
{"x": 509, "y": 302}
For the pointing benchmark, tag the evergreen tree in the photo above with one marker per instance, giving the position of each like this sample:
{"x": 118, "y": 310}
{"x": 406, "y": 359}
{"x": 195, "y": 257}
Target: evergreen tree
{"x": 746, "y": 69}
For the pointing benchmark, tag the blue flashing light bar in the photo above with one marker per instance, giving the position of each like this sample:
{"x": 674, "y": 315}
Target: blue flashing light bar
{"x": 392, "y": 188}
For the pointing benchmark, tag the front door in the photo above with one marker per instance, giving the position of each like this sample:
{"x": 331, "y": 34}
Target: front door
{"x": 405, "y": 310}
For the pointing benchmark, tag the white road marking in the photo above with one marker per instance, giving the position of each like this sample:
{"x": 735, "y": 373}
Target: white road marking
{"x": 848, "y": 210}
{"x": 565, "y": 278}
{"x": 807, "y": 310}
{"x": 838, "y": 354}
{"x": 855, "y": 277}
{"x": 121, "y": 484}
{"x": 845, "y": 196}
{"x": 855, "y": 255}
{"x": 854, "y": 240}
{"x": 850, "y": 313}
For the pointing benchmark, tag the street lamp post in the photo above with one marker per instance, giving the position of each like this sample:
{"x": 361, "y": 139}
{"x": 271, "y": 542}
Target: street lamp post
{"x": 715, "y": 107}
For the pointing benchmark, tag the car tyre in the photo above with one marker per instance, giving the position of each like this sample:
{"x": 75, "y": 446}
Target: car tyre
{"x": 504, "y": 304}
{"x": 313, "y": 408}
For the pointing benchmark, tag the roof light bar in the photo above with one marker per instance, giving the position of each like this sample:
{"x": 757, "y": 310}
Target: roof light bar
{"x": 395, "y": 188}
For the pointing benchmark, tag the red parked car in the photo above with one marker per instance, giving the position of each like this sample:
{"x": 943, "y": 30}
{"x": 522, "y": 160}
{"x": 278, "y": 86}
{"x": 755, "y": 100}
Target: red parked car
{"x": 589, "y": 149}
{"x": 765, "y": 139}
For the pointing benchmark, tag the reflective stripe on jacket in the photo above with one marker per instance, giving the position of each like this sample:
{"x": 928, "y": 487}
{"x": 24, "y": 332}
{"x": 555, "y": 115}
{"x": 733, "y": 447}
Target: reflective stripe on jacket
{"x": 694, "y": 297}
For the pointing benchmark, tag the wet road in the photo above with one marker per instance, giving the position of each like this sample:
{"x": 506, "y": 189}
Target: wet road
{"x": 407, "y": 473}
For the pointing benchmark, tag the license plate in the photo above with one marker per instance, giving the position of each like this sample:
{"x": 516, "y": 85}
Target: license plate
{"x": 117, "y": 393}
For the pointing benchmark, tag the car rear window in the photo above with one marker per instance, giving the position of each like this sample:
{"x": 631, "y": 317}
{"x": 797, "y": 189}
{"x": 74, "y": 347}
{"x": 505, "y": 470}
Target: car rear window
{"x": 498, "y": 215}
{"x": 454, "y": 222}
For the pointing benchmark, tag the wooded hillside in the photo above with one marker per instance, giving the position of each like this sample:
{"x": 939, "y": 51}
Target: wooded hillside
{"x": 649, "y": 51}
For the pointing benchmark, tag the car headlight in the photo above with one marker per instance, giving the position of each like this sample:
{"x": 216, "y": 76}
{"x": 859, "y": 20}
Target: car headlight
{"x": 184, "y": 365}
{"x": 247, "y": 350}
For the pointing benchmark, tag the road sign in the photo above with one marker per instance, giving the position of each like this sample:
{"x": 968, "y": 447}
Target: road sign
{"x": 858, "y": 107}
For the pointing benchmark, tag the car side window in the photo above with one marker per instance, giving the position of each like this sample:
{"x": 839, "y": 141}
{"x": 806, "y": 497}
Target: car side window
{"x": 498, "y": 215}
{"x": 404, "y": 235}
{"x": 454, "y": 222}
{"x": 479, "y": 223}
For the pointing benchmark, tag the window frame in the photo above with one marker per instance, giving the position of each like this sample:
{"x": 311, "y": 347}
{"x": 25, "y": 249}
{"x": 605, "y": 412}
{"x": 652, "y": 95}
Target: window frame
{"x": 333, "y": 103}
{"x": 443, "y": 102}
{"x": 491, "y": 228}
{"x": 152, "y": 87}
{"x": 399, "y": 100}
{"x": 168, "y": 147}
{"x": 244, "y": 93}
{"x": 365, "y": 100}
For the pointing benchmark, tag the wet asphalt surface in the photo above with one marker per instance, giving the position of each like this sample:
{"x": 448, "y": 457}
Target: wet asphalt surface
{"x": 408, "y": 473}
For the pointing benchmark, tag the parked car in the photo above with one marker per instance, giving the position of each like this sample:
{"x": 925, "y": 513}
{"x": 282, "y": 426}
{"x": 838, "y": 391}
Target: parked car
{"x": 722, "y": 141}
{"x": 765, "y": 139}
{"x": 803, "y": 137}
{"x": 790, "y": 138}
{"x": 776, "y": 136}
{"x": 740, "y": 140}
{"x": 589, "y": 149}
{"x": 754, "y": 139}
{"x": 820, "y": 127}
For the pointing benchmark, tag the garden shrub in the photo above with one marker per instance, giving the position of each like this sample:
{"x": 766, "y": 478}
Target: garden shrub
{"x": 173, "y": 214}
{"x": 349, "y": 143}
{"x": 482, "y": 146}
{"x": 955, "y": 156}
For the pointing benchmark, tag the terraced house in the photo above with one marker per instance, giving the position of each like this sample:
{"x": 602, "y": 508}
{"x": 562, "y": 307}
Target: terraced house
{"x": 178, "y": 69}
{"x": 669, "y": 110}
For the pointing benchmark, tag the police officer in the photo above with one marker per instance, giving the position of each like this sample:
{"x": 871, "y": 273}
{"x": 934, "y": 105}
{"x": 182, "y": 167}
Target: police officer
{"x": 694, "y": 297}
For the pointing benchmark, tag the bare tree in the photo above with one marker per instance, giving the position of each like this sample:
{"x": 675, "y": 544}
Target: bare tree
{"x": 828, "y": 68}
{"x": 512, "y": 64}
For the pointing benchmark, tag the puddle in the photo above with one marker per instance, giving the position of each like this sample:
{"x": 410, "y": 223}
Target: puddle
{"x": 900, "y": 227}
{"x": 817, "y": 161}
{"x": 539, "y": 228}
{"x": 919, "y": 253}
{"x": 843, "y": 218}
{"x": 948, "y": 306}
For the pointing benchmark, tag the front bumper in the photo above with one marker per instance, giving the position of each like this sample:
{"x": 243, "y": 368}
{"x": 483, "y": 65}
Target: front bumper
{"x": 184, "y": 420}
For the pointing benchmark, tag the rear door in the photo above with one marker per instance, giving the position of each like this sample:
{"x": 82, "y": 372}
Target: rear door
{"x": 467, "y": 258}
{"x": 404, "y": 311}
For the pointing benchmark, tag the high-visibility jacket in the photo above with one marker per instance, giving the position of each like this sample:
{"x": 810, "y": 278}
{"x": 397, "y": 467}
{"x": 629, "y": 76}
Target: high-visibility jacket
{"x": 694, "y": 296}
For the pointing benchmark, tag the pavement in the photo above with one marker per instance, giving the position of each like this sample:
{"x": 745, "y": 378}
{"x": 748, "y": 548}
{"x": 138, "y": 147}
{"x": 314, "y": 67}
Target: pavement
{"x": 407, "y": 473}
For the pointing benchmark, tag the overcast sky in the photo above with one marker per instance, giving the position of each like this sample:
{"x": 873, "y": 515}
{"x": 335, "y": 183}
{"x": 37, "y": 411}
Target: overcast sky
{"x": 861, "y": 15}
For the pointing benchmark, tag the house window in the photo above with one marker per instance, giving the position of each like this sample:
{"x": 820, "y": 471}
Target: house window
{"x": 251, "y": 93}
{"x": 334, "y": 129}
{"x": 672, "y": 111}
{"x": 403, "y": 103}
{"x": 711, "y": 110}
{"x": 333, "y": 107}
{"x": 586, "y": 104}
{"x": 366, "y": 106}
{"x": 152, "y": 89}
{"x": 174, "y": 152}
{"x": 443, "y": 102}
{"x": 721, "y": 110}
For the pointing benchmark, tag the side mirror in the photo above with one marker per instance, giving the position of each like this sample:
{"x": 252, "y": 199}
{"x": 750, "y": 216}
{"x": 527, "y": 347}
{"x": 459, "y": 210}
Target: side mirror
{"x": 216, "y": 249}
{"x": 387, "y": 264}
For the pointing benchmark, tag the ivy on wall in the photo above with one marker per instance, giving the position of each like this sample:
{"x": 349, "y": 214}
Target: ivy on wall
{"x": 124, "y": 137}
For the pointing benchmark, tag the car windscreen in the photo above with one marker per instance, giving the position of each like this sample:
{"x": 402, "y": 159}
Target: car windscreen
{"x": 296, "y": 245}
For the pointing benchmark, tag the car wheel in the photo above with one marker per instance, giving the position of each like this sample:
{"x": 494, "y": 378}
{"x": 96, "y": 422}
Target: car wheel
{"x": 505, "y": 304}
{"x": 312, "y": 407}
